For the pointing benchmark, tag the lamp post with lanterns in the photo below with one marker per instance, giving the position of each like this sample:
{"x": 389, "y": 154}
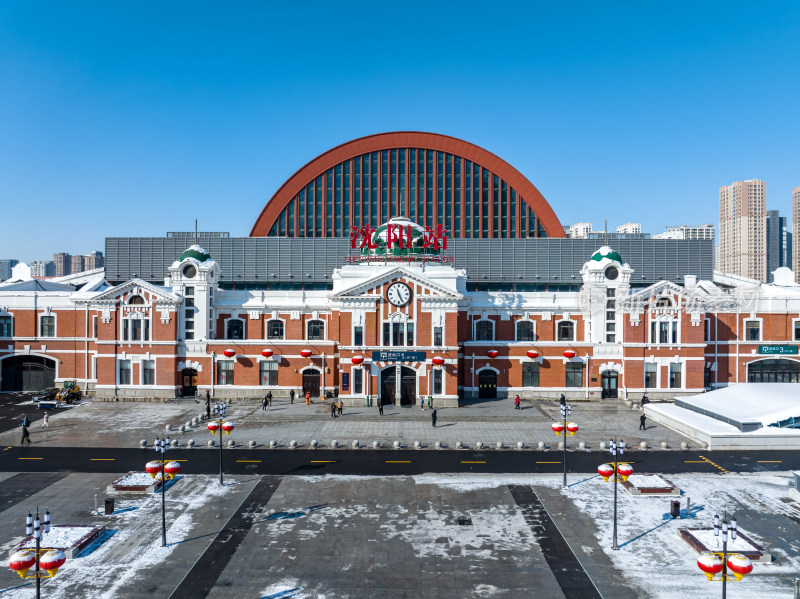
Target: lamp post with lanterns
{"x": 167, "y": 472}
{"x": 619, "y": 472}
{"x": 220, "y": 424}
{"x": 565, "y": 428}
{"x": 49, "y": 560}
{"x": 711, "y": 564}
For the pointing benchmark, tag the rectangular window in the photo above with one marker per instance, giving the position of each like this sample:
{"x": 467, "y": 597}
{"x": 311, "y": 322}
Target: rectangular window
{"x": 358, "y": 335}
{"x": 225, "y": 372}
{"x": 5, "y": 326}
{"x": 797, "y": 330}
{"x": 530, "y": 374}
{"x": 707, "y": 330}
{"x": 752, "y": 330}
{"x": 189, "y": 302}
{"x": 148, "y": 372}
{"x": 124, "y": 372}
{"x": 189, "y": 291}
{"x": 663, "y": 332}
{"x": 437, "y": 336}
{"x": 189, "y": 335}
{"x": 397, "y": 334}
{"x": 94, "y": 327}
{"x": 437, "y": 381}
{"x": 574, "y": 374}
{"x": 387, "y": 337}
{"x": 650, "y": 375}
{"x": 410, "y": 334}
{"x": 136, "y": 330}
{"x": 358, "y": 381}
{"x": 269, "y": 373}
{"x": 675, "y": 375}
{"x": 48, "y": 326}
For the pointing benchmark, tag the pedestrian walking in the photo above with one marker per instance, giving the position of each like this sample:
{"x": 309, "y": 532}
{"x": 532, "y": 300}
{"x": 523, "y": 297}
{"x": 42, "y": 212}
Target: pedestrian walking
{"x": 516, "y": 402}
{"x": 291, "y": 396}
{"x": 333, "y": 409}
{"x": 422, "y": 403}
{"x": 46, "y": 420}
{"x": 180, "y": 391}
{"x": 380, "y": 408}
{"x": 642, "y": 421}
{"x": 264, "y": 403}
{"x": 308, "y": 397}
{"x": 269, "y": 399}
{"x": 430, "y": 402}
{"x": 208, "y": 409}
{"x": 208, "y": 396}
{"x": 340, "y": 405}
{"x": 433, "y": 419}
{"x": 25, "y": 433}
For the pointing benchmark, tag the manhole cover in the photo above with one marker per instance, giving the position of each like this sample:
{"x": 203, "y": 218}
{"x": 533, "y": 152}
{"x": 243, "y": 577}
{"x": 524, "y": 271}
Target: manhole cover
{"x": 464, "y": 521}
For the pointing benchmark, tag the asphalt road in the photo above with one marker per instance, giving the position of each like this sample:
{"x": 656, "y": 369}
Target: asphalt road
{"x": 386, "y": 461}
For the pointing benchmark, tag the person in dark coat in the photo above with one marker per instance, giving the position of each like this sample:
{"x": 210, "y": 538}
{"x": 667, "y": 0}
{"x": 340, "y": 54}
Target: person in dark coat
{"x": 380, "y": 408}
{"x": 433, "y": 418}
{"x": 642, "y": 422}
{"x": 208, "y": 408}
{"x": 25, "y": 433}
{"x": 264, "y": 403}
{"x": 645, "y": 400}
{"x": 269, "y": 399}
{"x": 291, "y": 396}
{"x": 333, "y": 409}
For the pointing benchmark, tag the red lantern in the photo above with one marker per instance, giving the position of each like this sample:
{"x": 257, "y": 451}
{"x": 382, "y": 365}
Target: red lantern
{"x": 558, "y": 428}
{"x": 492, "y": 353}
{"x": 569, "y": 354}
{"x": 52, "y": 560}
{"x": 227, "y": 427}
{"x": 710, "y": 564}
{"x": 172, "y": 468}
{"x": 437, "y": 360}
{"x": 624, "y": 471}
{"x": 740, "y": 565}
{"x": 213, "y": 426}
{"x": 267, "y": 353}
{"x": 606, "y": 471}
{"x": 306, "y": 353}
{"x": 533, "y": 354}
{"x": 229, "y": 353}
{"x": 22, "y": 561}
{"x": 357, "y": 360}
{"x": 572, "y": 428}
{"x": 152, "y": 468}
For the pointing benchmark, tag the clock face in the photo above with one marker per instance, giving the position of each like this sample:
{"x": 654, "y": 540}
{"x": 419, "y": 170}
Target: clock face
{"x": 398, "y": 294}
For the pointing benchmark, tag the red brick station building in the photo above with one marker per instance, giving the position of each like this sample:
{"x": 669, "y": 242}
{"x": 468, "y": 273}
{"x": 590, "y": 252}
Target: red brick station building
{"x": 397, "y": 266}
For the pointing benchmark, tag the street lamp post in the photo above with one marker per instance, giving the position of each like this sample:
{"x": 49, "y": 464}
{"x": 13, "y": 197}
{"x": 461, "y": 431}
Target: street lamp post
{"x": 167, "y": 471}
{"x": 220, "y": 424}
{"x": 710, "y": 562}
{"x": 614, "y": 448}
{"x": 49, "y": 560}
{"x": 723, "y": 528}
{"x": 565, "y": 428}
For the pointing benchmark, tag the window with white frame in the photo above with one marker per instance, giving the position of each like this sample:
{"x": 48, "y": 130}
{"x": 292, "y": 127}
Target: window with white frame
{"x": 574, "y": 374}
{"x": 437, "y": 381}
{"x": 124, "y": 372}
{"x": 797, "y": 330}
{"x": 136, "y": 329}
{"x": 707, "y": 329}
{"x": 438, "y": 334}
{"x": 398, "y": 333}
{"x": 225, "y": 372}
{"x": 47, "y": 326}
{"x": 752, "y": 330}
{"x": 358, "y": 335}
{"x": 6, "y": 323}
{"x": 275, "y": 329}
{"x": 484, "y": 330}
{"x": 525, "y": 331}
{"x": 530, "y": 374}
{"x": 234, "y": 329}
{"x": 315, "y": 330}
{"x": 674, "y": 375}
{"x": 269, "y": 373}
{"x": 664, "y": 331}
{"x": 565, "y": 331}
{"x": 650, "y": 375}
{"x": 148, "y": 372}
{"x": 358, "y": 380}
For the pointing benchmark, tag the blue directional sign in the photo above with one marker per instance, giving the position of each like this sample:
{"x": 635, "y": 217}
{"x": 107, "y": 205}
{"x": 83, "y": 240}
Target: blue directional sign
{"x": 398, "y": 356}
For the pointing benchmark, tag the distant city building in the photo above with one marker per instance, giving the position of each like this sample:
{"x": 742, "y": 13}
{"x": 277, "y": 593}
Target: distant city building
{"x": 742, "y": 229}
{"x": 779, "y": 242}
{"x": 630, "y": 228}
{"x": 579, "y": 230}
{"x": 93, "y": 261}
{"x": 687, "y": 232}
{"x": 6, "y": 265}
{"x": 76, "y": 264}
{"x": 796, "y": 227}
{"x": 63, "y": 264}
{"x": 40, "y": 268}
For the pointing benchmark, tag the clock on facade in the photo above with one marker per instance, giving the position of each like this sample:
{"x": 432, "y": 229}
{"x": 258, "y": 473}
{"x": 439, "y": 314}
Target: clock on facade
{"x": 398, "y": 294}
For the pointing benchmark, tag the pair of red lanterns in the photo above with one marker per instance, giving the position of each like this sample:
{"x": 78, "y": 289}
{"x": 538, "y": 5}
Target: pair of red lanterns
{"x": 558, "y": 428}
{"x": 533, "y": 354}
{"x": 267, "y": 353}
{"x": 711, "y": 565}
{"x": 607, "y": 471}
{"x": 171, "y": 469}
{"x": 50, "y": 561}
{"x": 227, "y": 427}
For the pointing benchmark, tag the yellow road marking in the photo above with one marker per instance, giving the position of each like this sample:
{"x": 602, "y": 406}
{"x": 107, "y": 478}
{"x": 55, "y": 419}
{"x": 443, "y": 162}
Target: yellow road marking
{"x": 323, "y": 461}
{"x": 548, "y": 462}
{"x": 101, "y": 459}
{"x": 179, "y": 460}
{"x": 30, "y": 458}
{"x": 768, "y": 461}
{"x": 6, "y": 449}
{"x": 465, "y": 462}
{"x": 713, "y": 464}
{"x": 249, "y": 461}
{"x": 398, "y": 461}
{"x": 695, "y": 462}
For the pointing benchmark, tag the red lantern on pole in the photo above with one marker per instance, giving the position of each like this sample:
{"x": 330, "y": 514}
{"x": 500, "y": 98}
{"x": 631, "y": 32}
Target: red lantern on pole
{"x": 52, "y": 560}
{"x": 437, "y": 360}
{"x": 172, "y": 468}
{"x": 710, "y": 564}
{"x": 22, "y": 561}
{"x": 606, "y": 471}
{"x": 572, "y": 428}
{"x": 227, "y": 427}
{"x": 229, "y": 353}
{"x": 267, "y": 353}
{"x": 569, "y": 354}
{"x": 740, "y": 565}
{"x": 357, "y": 360}
{"x": 152, "y": 468}
{"x": 533, "y": 354}
{"x": 492, "y": 353}
{"x": 213, "y": 426}
{"x": 306, "y": 353}
{"x": 624, "y": 471}
{"x": 558, "y": 428}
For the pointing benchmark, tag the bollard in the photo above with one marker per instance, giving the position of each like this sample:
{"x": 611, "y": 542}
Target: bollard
{"x": 499, "y": 446}
{"x": 396, "y": 444}
{"x": 231, "y": 443}
{"x": 251, "y": 444}
{"x": 664, "y": 445}
{"x": 541, "y": 446}
{"x": 520, "y": 445}
{"x": 210, "y": 443}
{"x": 354, "y": 444}
{"x": 168, "y": 427}
{"x": 602, "y": 445}
{"x": 582, "y": 445}
{"x": 561, "y": 445}
{"x": 797, "y": 588}
{"x": 95, "y": 503}
{"x": 334, "y": 444}
{"x": 459, "y": 445}
{"x": 688, "y": 507}
{"x": 438, "y": 445}
{"x": 174, "y": 443}
{"x": 273, "y": 444}
{"x": 292, "y": 444}
{"x": 313, "y": 444}
{"x": 190, "y": 443}
{"x": 194, "y": 421}
{"x": 684, "y": 445}
{"x": 143, "y": 443}
{"x": 643, "y": 445}
{"x": 182, "y": 429}
{"x": 376, "y": 445}
{"x": 188, "y": 425}
{"x": 479, "y": 445}
{"x": 417, "y": 445}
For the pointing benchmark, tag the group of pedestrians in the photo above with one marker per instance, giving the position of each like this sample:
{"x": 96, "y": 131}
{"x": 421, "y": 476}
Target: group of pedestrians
{"x": 26, "y": 424}
{"x": 337, "y": 406}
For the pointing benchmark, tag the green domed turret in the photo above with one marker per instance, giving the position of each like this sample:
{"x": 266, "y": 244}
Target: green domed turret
{"x": 196, "y": 252}
{"x": 606, "y": 252}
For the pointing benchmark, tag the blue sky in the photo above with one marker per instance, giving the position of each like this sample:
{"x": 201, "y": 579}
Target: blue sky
{"x": 132, "y": 119}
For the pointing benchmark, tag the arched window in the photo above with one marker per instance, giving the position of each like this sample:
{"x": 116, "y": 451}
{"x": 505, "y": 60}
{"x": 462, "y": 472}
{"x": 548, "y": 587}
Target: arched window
{"x": 136, "y": 300}
{"x": 275, "y": 329}
{"x": 663, "y": 302}
{"x": 484, "y": 330}
{"x": 234, "y": 329}
{"x": 566, "y": 331}
{"x": 316, "y": 330}
{"x": 525, "y": 330}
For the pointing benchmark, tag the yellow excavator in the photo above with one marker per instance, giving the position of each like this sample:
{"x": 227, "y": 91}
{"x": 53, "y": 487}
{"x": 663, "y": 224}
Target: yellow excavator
{"x": 71, "y": 392}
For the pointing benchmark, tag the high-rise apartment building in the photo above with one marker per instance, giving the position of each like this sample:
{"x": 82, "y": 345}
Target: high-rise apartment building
{"x": 63, "y": 264}
{"x": 779, "y": 242}
{"x": 796, "y": 227}
{"x": 742, "y": 229}
{"x": 6, "y": 265}
{"x": 579, "y": 230}
{"x": 40, "y": 268}
{"x": 93, "y": 260}
{"x": 687, "y": 232}
{"x": 630, "y": 228}
{"x": 76, "y": 264}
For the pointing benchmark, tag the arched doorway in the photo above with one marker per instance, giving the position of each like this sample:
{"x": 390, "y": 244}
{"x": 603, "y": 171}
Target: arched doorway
{"x": 189, "y": 382}
{"x": 311, "y": 382}
{"x": 773, "y": 371}
{"x": 408, "y": 386}
{"x": 28, "y": 373}
{"x": 487, "y": 384}
{"x": 610, "y": 384}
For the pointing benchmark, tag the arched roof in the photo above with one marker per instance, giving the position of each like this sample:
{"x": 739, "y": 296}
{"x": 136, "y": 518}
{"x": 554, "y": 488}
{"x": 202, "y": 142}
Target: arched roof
{"x": 547, "y": 219}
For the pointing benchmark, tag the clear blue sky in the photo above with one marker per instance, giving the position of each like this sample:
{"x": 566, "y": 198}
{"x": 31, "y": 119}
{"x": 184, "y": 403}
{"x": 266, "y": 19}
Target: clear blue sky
{"x": 132, "y": 118}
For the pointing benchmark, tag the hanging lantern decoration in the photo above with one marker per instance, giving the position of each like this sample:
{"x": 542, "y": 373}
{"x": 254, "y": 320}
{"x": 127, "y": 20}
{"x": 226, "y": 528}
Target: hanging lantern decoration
{"x": 710, "y": 564}
{"x": 52, "y": 560}
{"x": 22, "y": 561}
{"x": 558, "y": 428}
{"x": 306, "y": 353}
{"x": 227, "y": 427}
{"x": 357, "y": 360}
{"x": 740, "y": 565}
{"x": 229, "y": 353}
{"x": 267, "y": 353}
{"x": 606, "y": 471}
{"x": 172, "y": 468}
{"x": 533, "y": 354}
{"x": 569, "y": 353}
{"x": 492, "y": 353}
{"x": 152, "y": 468}
{"x": 624, "y": 471}
{"x": 437, "y": 360}
{"x": 213, "y": 426}
{"x": 572, "y": 428}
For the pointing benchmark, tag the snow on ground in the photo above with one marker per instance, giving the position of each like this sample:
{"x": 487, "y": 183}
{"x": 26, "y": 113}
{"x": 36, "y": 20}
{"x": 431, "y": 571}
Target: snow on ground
{"x": 648, "y": 480}
{"x": 61, "y": 537}
{"x": 714, "y": 543}
{"x": 135, "y": 479}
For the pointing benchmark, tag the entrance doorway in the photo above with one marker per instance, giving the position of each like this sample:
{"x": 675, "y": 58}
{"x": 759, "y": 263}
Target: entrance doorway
{"x": 609, "y": 384}
{"x": 28, "y": 373}
{"x": 408, "y": 386}
{"x": 189, "y": 382}
{"x": 311, "y": 383}
{"x": 487, "y": 384}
